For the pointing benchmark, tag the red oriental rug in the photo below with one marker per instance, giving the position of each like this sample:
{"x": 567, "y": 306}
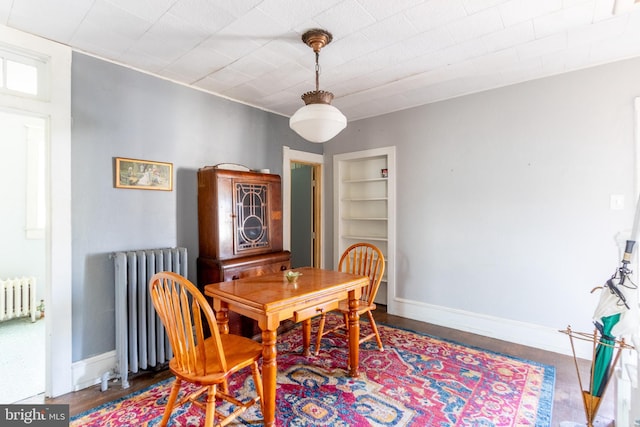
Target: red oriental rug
{"x": 418, "y": 380}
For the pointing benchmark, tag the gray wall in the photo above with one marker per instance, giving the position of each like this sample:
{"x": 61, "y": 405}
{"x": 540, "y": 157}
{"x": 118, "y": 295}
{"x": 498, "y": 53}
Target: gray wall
{"x": 118, "y": 112}
{"x": 503, "y": 196}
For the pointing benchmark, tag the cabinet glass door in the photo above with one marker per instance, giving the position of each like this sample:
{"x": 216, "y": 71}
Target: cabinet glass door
{"x": 252, "y": 208}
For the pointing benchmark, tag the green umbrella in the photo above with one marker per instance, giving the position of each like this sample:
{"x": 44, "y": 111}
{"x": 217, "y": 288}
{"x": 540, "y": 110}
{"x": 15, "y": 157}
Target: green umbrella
{"x": 604, "y": 353}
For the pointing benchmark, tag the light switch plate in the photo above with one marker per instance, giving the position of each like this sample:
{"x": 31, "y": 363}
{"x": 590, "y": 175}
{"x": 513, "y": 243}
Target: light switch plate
{"x": 617, "y": 202}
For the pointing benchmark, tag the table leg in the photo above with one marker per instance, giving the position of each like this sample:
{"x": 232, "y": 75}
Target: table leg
{"x": 306, "y": 337}
{"x": 354, "y": 335}
{"x": 222, "y": 319}
{"x": 269, "y": 374}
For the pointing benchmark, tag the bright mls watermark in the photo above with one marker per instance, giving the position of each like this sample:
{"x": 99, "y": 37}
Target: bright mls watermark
{"x": 34, "y": 415}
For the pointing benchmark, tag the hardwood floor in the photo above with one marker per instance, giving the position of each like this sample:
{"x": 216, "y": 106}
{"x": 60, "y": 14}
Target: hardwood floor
{"x": 567, "y": 406}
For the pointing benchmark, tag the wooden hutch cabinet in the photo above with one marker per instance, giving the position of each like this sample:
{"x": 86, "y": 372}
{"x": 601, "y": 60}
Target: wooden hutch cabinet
{"x": 240, "y": 230}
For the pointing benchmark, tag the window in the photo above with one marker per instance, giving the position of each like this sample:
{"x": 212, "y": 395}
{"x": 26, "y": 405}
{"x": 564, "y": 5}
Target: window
{"x": 23, "y": 74}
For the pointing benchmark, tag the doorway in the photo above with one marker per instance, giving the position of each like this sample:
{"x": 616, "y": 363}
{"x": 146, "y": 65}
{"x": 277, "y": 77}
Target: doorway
{"x": 305, "y": 228}
{"x": 22, "y": 253}
{"x": 303, "y": 199}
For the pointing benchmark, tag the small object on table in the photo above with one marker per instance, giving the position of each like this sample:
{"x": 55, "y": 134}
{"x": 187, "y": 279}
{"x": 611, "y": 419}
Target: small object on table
{"x": 292, "y": 276}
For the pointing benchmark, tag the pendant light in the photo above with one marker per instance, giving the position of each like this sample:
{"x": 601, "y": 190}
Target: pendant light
{"x": 318, "y": 120}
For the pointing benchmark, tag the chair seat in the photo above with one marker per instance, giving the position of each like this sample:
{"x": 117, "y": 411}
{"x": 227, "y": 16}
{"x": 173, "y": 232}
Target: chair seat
{"x": 343, "y": 306}
{"x": 240, "y": 353}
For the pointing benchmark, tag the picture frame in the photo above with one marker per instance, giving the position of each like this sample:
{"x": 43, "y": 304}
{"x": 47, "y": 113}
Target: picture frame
{"x": 143, "y": 174}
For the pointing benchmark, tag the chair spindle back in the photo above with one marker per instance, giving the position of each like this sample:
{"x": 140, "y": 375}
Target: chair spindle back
{"x": 367, "y": 260}
{"x": 181, "y": 308}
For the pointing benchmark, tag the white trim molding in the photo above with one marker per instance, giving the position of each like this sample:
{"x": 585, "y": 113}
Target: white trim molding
{"x": 514, "y": 331}
{"x": 92, "y": 371}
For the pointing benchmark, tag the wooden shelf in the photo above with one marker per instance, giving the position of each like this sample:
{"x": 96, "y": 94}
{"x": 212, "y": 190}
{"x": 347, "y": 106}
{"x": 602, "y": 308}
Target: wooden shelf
{"x": 357, "y": 181}
{"x": 364, "y": 219}
{"x": 359, "y": 238}
{"x": 365, "y": 199}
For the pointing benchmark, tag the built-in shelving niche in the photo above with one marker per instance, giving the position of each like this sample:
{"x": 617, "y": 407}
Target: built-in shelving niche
{"x": 364, "y": 191}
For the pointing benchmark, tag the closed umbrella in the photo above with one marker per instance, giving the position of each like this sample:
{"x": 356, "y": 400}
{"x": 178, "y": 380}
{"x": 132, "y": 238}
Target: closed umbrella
{"x": 604, "y": 354}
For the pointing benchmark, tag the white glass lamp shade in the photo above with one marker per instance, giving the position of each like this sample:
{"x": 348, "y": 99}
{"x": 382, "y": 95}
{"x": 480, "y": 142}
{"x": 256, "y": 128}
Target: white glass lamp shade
{"x": 318, "y": 122}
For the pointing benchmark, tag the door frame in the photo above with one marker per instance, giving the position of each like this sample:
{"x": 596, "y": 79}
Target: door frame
{"x": 57, "y": 108}
{"x": 317, "y": 161}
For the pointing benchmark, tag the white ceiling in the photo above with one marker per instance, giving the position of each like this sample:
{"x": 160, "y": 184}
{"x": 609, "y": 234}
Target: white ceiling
{"x": 386, "y": 55}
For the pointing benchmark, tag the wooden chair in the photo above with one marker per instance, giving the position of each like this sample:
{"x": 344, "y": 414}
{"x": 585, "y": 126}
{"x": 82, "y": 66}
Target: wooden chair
{"x": 364, "y": 259}
{"x": 207, "y": 362}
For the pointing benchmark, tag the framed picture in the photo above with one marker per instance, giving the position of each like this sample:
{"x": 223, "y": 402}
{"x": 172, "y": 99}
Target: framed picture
{"x": 143, "y": 174}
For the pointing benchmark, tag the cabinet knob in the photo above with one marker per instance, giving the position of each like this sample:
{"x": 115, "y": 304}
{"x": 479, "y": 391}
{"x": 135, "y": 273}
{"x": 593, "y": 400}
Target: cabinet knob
{"x": 283, "y": 267}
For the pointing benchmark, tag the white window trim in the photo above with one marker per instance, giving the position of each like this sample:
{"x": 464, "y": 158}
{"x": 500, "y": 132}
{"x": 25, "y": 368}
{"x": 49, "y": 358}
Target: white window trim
{"x": 39, "y": 61}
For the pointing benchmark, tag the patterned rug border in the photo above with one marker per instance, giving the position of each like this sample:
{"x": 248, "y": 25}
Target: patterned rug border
{"x": 543, "y": 415}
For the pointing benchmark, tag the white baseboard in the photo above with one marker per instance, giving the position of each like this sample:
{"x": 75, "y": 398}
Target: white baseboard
{"x": 523, "y": 333}
{"x": 89, "y": 372}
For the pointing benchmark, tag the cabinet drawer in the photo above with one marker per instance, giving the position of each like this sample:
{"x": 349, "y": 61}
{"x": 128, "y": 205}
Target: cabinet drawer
{"x": 315, "y": 310}
{"x": 258, "y": 270}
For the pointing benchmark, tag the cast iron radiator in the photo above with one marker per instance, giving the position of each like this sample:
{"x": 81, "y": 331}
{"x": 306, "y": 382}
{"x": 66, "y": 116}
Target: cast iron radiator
{"x": 141, "y": 341}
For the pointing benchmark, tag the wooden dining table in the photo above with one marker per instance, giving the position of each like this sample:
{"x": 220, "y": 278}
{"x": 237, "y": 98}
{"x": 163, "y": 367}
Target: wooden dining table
{"x": 271, "y": 299}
